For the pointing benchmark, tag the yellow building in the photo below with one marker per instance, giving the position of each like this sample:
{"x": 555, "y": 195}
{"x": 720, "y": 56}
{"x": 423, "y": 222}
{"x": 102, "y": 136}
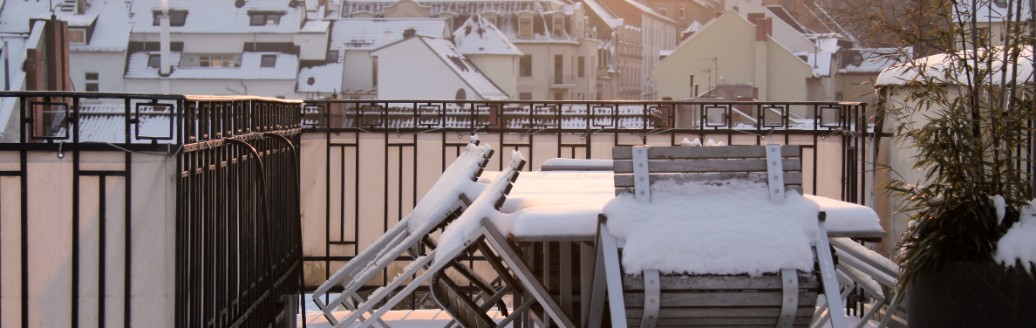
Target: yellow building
{"x": 731, "y": 50}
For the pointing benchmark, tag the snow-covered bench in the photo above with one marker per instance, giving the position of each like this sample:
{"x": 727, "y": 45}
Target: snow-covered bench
{"x": 693, "y": 250}
{"x": 449, "y": 195}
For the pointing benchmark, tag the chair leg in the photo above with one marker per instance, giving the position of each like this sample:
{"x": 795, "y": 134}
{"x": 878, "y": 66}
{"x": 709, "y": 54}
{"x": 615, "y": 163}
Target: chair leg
{"x": 827, "y": 274}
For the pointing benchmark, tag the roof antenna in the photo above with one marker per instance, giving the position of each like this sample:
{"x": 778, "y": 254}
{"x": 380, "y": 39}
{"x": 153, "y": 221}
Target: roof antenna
{"x": 52, "y": 15}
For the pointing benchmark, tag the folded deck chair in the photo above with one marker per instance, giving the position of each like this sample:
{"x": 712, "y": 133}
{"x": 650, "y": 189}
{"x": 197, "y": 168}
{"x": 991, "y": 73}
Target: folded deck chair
{"x": 449, "y": 195}
{"x": 472, "y": 228}
{"x": 785, "y": 298}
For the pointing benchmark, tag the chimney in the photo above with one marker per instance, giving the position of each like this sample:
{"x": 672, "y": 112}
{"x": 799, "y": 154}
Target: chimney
{"x": 763, "y": 26}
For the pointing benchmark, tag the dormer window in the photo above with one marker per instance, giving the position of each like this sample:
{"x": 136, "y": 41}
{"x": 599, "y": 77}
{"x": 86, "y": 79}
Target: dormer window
{"x": 154, "y": 60}
{"x": 264, "y": 18}
{"x": 525, "y": 26}
{"x": 176, "y": 17}
{"x": 76, "y": 35}
{"x": 268, "y": 61}
{"x": 559, "y": 26}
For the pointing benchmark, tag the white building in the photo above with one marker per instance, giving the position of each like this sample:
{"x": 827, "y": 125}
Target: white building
{"x": 350, "y": 72}
{"x": 98, "y": 33}
{"x": 490, "y": 51}
{"x": 245, "y": 47}
{"x": 446, "y": 74}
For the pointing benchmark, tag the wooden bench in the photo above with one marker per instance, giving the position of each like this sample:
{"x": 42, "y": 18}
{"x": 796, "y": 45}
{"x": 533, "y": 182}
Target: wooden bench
{"x": 786, "y": 298}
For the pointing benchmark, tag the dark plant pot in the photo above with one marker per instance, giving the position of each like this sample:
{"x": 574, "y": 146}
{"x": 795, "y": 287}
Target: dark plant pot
{"x": 972, "y": 294}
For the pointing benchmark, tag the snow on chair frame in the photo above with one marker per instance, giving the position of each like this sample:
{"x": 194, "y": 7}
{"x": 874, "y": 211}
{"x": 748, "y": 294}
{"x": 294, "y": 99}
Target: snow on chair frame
{"x": 783, "y": 298}
{"x": 469, "y": 228}
{"x": 450, "y": 194}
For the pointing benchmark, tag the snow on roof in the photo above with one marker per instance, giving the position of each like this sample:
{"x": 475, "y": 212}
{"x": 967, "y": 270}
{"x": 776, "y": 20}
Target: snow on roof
{"x": 207, "y": 16}
{"x": 464, "y": 68}
{"x": 694, "y": 27}
{"x": 607, "y": 16}
{"x": 110, "y": 21}
{"x": 107, "y": 123}
{"x": 820, "y": 62}
{"x": 285, "y": 68}
{"x": 993, "y": 11}
{"x": 701, "y": 228}
{"x": 373, "y": 33}
{"x": 945, "y": 69}
{"x": 479, "y": 36}
{"x": 873, "y": 60}
{"x": 325, "y": 78}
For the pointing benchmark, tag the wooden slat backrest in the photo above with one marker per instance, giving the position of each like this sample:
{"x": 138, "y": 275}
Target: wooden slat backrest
{"x": 686, "y": 164}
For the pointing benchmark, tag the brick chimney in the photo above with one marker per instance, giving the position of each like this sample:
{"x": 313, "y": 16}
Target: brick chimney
{"x": 763, "y": 26}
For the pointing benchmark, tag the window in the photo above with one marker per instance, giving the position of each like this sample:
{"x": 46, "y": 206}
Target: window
{"x": 176, "y": 17}
{"x": 559, "y": 26}
{"x": 581, "y": 68}
{"x": 332, "y": 56}
{"x": 461, "y": 95}
{"x": 92, "y": 82}
{"x": 374, "y": 72}
{"x": 219, "y": 60}
{"x": 682, "y": 11}
{"x": 76, "y": 36}
{"x": 263, "y": 18}
{"x": 525, "y": 65}
{"x": 268, "y": 61}
{"x": 525, "y": 26}
{"x": 663, "y": 9}
{"x": 525, "y": 96}
{"x": 154, "y": 60}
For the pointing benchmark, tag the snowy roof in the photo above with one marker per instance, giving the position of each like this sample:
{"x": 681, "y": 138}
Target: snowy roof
{"x": 480, "y": 37}
{"x": 285, "y": 68}
{"x": 607, "y": 16}
{"x": 107, "y": 123}
{"x": 110, "y": 21}
{"x": 945, "y": 68}
{"x": 437, "y": 7}
{"x": 326, "y": 78}
{"x": 872, "y": 60}
{"x": 993, "y": 11}
{"x": 694, "y": 27}
{"x": 207, "y": 16}
{"x": 467, "y": 71}
{"x": 373, "y": 33}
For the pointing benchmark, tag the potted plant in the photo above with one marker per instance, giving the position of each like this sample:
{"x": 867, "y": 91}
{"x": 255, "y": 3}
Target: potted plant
{"x": 964, "y": 107}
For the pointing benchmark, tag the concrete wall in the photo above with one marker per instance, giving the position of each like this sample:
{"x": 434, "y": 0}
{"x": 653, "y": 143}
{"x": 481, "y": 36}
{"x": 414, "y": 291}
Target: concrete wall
{"x": 265, "y": 88}
{"x": 49, "y": 239}
{"x": 503, "y": 71}
{"x": 108, "y": 65}
{"x": 396, "y": 79}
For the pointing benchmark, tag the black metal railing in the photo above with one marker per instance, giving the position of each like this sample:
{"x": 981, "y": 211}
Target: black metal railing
{"x": 204, "y": 186}
{"x": 401, "y": 138}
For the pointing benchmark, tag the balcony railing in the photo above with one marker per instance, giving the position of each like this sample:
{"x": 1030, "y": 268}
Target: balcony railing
{"x": 148, "y": 210}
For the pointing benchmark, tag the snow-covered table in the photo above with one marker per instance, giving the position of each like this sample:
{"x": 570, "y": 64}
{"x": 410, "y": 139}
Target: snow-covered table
{"x": 564, "y": 205}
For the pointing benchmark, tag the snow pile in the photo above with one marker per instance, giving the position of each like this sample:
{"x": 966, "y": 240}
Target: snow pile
{"x": 1019, "y": 243}
{"x": 846, "y": 217}
{"x": 701, "y": 228}
{"x": 556, "y": 203}
{"x": 455, "y": 181}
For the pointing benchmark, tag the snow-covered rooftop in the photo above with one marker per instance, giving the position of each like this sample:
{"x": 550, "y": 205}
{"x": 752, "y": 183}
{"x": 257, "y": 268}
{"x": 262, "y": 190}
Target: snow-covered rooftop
{"x": 873, "y": 60}
{"x": 286, "y": 67}
{"x": 945, "y": 68}
{"x": 607, "y": 16}
{"x": 325, "y": 78}
{"x": 480, "y": 37}
{"x": 373, "y": 33}
{"x": 465, "y": 69}
{"x": 110, "y": 21}
{"x": 207, "y": 16}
